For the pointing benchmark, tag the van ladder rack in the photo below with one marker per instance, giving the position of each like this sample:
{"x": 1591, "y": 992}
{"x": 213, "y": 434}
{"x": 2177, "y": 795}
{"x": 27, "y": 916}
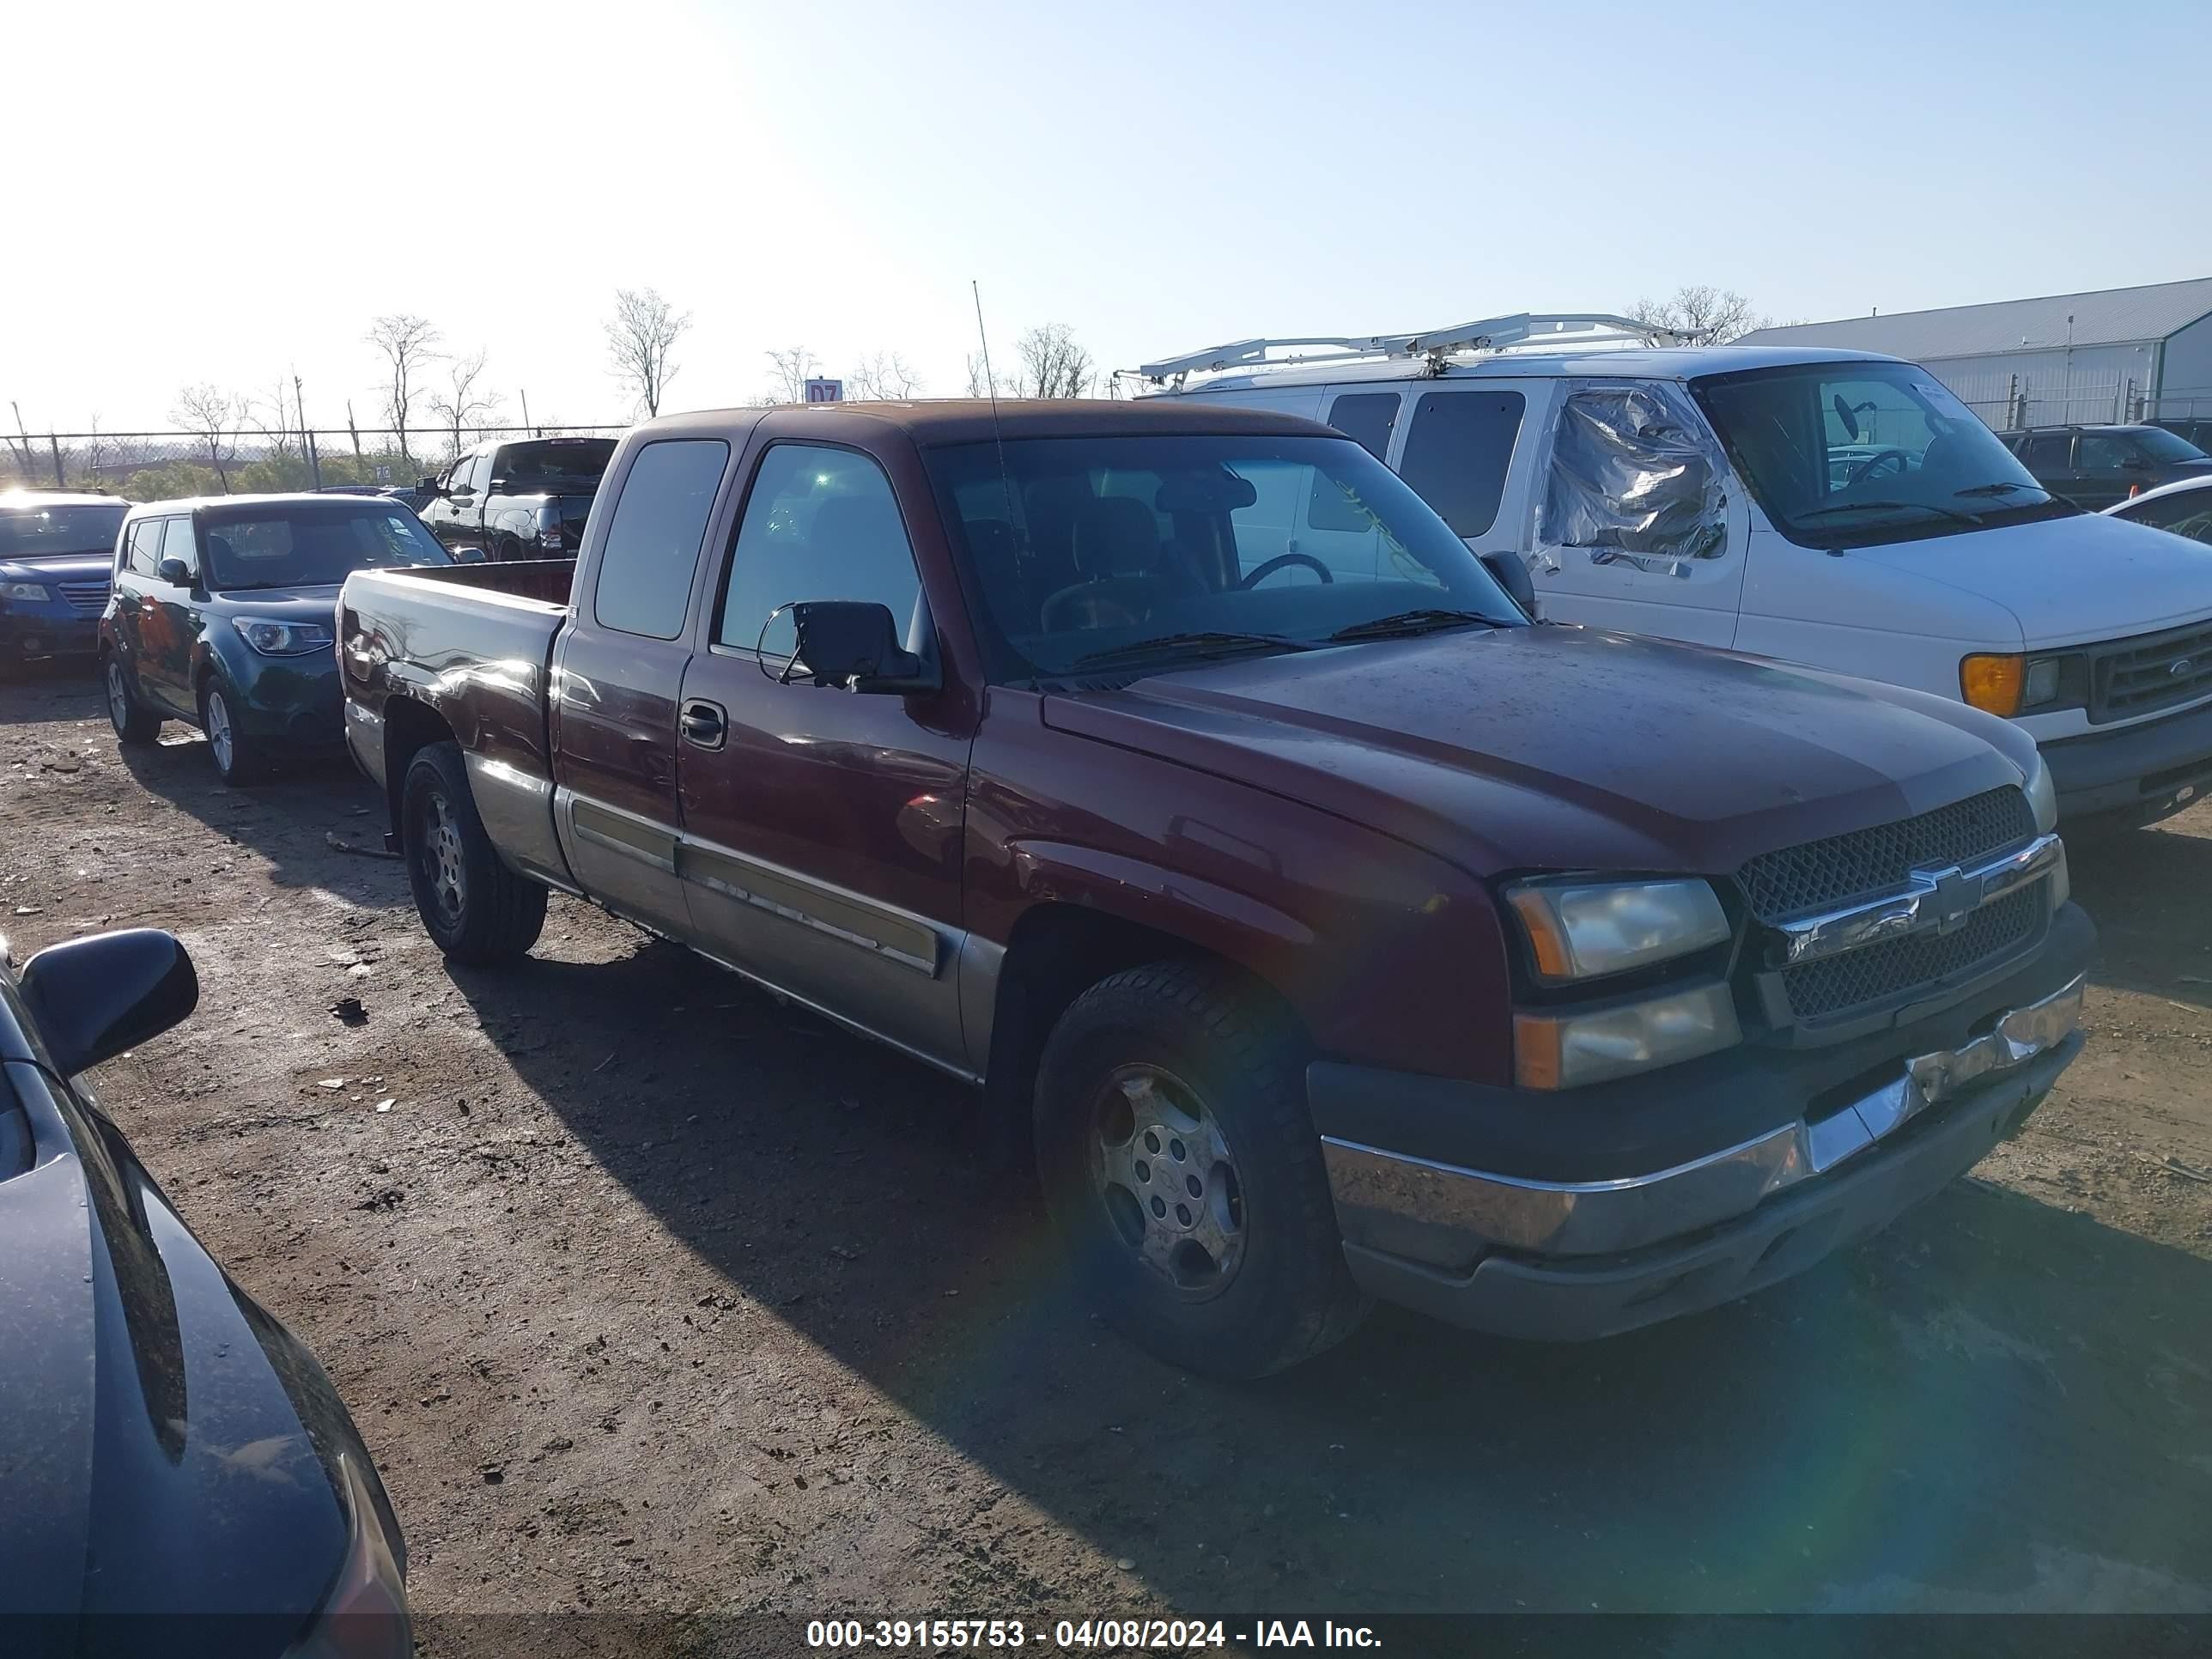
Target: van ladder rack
{"x": 1492, "y": 334}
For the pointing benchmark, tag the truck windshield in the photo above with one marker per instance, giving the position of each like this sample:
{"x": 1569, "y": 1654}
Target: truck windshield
{"x": 1858, "y": 455}
{"x": 553, "y": 463}
{"x": 41, "y": 532}
{"x": 1132, "y": 550}
{"x": 311, "y": 544}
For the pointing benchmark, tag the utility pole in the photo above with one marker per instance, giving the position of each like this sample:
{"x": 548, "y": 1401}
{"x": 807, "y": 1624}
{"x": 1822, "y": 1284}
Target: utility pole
{"x": 351, "y": 428}
{"x": 300, "y": 404}
{"x": 525, "y": 414}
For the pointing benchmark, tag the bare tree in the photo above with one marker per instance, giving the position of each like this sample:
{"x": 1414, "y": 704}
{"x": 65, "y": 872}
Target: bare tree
{"x": 1051, "y": 364}
{"x": 213, "y": 414}
{"x": 1701, "y": 315}
{"x": 274, "y": 418}
{"x": 462, "y": 404}
{"x": 409, "y": 344}
{"x": 640, "y": 341}
{"x": 22, "y": 443}
{"x": 979, "y": 377}
{"x": 789, "y": 370}
{"x": 885, "y": 375}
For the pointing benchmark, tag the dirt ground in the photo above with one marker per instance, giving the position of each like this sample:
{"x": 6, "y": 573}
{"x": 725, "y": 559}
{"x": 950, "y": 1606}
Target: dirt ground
{"x": 650, "y": 1295}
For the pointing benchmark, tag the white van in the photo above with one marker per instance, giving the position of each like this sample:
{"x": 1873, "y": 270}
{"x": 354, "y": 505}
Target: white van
{"x": 1828, "y": 507}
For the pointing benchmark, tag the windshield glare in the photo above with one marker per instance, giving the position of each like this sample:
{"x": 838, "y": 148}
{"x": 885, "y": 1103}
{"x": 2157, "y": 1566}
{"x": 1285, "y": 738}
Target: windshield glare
{"x": 2163, "y": 446}
{"x": 1847, "y": 454}
{"x": 312, "y": 545}
{"x": 1084, "y": 546}
{"x": 41, "y": 532}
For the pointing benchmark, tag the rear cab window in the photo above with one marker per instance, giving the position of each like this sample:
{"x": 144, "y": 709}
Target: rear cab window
{"x": 643, "y": 584}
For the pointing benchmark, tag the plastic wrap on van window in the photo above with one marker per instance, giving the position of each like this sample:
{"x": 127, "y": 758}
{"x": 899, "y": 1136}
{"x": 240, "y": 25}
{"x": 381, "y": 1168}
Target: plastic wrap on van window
{"x": 1635, "y": 476}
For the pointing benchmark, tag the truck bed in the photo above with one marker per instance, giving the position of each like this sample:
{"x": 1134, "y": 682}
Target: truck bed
{"x": 474, "y": 642}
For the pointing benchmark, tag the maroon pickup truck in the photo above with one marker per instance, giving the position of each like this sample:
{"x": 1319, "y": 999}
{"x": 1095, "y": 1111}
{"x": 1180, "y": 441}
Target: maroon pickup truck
{"x": 1336, "y": 931}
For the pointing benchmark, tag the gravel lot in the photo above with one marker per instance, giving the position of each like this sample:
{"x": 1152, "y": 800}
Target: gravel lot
{"x": 650, "y": 1295}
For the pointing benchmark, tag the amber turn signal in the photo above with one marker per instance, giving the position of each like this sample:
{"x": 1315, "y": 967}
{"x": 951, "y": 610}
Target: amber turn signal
{"x": 1991, "y": 683}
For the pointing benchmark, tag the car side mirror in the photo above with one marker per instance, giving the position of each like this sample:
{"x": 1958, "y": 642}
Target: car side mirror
{"x": 94, "y": 998}
{"x": 175, "y": 572}
{"x": 855, "y": 646}
{"x": 1512, "y": 572}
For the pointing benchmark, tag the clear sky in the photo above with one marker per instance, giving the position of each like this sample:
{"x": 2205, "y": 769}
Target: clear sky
{"x": 229, "y": 191}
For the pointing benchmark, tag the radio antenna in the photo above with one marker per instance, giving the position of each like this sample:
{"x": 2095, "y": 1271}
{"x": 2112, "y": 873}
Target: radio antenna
{"x": 991, "y": 385}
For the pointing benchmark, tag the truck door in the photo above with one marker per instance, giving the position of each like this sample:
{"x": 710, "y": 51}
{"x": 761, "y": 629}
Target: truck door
{"x": 1638, "y": 523}
{"x": 822, "y": 830}
{"x": 617, "y": 680}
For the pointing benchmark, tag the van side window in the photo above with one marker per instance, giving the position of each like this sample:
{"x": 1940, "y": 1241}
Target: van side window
{"x": 820, "y": 523}
{"x": 1366, "y": 417}
{"x": 644, "y": 584}
{"x": 1456, "y": 453}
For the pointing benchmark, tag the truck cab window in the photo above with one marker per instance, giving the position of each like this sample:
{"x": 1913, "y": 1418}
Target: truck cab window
{"x": 651, "y": 548}
{"x": 820, "y": 523}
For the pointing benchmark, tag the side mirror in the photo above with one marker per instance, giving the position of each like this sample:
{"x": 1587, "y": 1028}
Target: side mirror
{"x": 1512, "y": 572}
{"x": 175, "y": 572}
{"x": 855, "y": 646}
{"x": 93, "y": 998}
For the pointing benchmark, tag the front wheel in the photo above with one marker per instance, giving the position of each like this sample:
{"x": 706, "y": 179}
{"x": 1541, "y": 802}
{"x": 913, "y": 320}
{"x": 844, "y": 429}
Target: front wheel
{"x": 238, "y": 756}
{"x": 474, "y": 907}
{"x": 135, "y": 724}
{"x": 1182, "y": 1174}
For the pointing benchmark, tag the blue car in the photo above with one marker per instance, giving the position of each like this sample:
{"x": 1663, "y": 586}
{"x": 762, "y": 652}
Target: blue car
{"x": 57, "y": 550}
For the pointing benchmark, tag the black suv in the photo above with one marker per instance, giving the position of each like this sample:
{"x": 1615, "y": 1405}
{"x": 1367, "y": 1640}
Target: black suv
{"x": 2094, "y": 466}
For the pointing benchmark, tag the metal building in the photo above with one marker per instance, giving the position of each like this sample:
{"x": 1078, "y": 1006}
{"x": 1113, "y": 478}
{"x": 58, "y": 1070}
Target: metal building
{"x": 2119, "y": 354}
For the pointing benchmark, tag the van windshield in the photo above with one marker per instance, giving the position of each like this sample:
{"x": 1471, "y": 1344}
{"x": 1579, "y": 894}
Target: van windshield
{"x": 1861, "y": 454}
{"x": 1134, "y": 552}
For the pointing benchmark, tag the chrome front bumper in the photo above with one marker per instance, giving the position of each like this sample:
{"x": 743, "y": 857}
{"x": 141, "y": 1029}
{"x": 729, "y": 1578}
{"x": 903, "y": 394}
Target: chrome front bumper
{"x": 1600, "y": 1218}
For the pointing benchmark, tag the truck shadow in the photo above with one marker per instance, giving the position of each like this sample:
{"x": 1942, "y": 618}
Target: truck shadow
{"x": 2147, "y": 891}
{"x": 1982, "y": 1408}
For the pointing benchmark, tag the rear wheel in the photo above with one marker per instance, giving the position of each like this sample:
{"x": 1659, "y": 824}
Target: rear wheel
{"x": 474, "y": 907}
{"x": 1184, "y": 1175}
{"x": 238, "y": 758}
{"x": 134, "y": 723}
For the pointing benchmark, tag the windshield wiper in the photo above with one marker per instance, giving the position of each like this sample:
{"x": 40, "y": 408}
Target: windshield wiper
{"x": 1403, "y": 623}
{"x": 2002, "y": 487}
{"x": 1217, "y": 639}
{"x": 1897, "y": 506}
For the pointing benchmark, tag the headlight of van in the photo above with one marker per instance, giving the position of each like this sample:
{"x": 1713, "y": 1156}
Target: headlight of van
{"x": 1584, "y": 930}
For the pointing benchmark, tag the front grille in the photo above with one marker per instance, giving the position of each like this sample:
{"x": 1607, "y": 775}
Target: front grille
{"x": 1827, "y": 875}
{"x": 2157, "y": 670}
{"x": 87, "y": 598}
{"x": 1816, "y": 989}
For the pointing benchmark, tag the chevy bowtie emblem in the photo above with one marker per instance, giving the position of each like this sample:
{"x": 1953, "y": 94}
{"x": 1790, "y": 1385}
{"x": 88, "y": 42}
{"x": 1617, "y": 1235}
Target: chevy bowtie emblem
{"x": 1951, "y": 899}
{"x": 2180, "y": 665}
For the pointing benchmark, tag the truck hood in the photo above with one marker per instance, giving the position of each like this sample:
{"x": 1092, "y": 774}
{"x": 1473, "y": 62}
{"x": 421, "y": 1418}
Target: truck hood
{"x": 1563, "y": 748}
{"x": 2072, "y": 580}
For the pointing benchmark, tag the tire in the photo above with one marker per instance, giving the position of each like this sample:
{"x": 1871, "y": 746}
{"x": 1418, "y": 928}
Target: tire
{"x": 135, "y": 726}
{"x": 1185, "y": 1083}
{"x": 238, "y": 759}
{"x": 476, "y": 909}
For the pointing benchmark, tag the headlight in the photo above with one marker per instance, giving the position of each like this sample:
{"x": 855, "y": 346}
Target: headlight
{"x": 1581, "y": 930}
{"x": 29, "y": 592}
{"x": 2043, "y": 796}
{"x": 1567, "y": 1050}
{"x": 2000, "y": 684}
{"x": 365, "y": 1615}
{"x": 273, "y": 638}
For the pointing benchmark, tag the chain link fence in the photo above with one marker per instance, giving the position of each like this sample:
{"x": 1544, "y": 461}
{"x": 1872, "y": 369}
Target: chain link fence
{"x": 151, "y": 466}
